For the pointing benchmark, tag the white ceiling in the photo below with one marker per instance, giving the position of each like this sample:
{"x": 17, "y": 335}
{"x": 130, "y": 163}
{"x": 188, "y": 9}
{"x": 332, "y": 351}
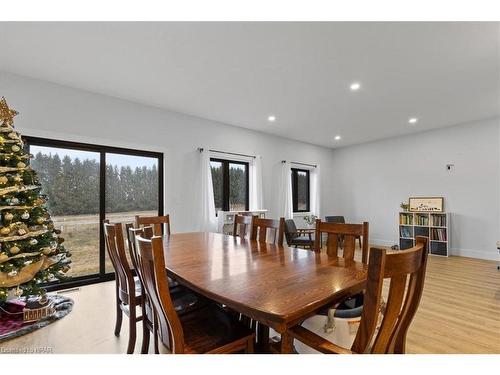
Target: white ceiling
{"x": 239, "y": 73}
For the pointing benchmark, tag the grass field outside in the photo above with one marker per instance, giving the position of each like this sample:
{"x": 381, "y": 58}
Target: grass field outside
{"x": 81, "y": 235}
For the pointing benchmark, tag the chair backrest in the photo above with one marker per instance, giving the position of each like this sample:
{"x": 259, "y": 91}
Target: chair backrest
{"x": 260, "y": 228}
{"x": 152, "y": 268}
{"x": 160, "y": 224}
{"x": 401, "y": 307}
{"x": 335, "y": 219}
{"x": 242, "y": 225}
{"x": 113, "y": 235}
{"x": 290, "y": 229}
{"x": 342, "y": 233}
{"x": 146, "y": 232}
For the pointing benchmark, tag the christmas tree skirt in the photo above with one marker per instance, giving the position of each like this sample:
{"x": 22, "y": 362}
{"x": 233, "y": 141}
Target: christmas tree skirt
{"x": 12, "y": 324}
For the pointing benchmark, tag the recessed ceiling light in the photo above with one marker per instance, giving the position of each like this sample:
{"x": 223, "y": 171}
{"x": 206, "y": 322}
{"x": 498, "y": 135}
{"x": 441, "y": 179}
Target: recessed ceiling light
{"x": 413, "y": 120}
{"x": 271, "y": 118}
{"x": 338, "y": 138}
{"x": 355, "y": 86}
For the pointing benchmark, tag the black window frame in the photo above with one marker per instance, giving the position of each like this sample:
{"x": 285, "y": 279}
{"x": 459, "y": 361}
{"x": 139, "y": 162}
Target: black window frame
{"x": 225, "y": 181}
{"x": 295, "y": 197}
{"x": 102, "y": 276}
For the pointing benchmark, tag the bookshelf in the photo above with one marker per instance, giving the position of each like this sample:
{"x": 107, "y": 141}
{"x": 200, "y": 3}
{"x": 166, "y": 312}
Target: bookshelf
{"x": 434, "y": 225}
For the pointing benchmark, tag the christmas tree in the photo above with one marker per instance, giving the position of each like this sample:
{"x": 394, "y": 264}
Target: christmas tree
{"x": 31, "y": 251}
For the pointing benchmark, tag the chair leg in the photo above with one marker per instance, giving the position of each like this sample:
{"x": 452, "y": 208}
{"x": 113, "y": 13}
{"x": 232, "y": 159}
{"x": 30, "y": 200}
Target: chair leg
{"x": 132, "y": 329}
{"x": 145, "y": 330}
{"x": 119, "y": 315}
{"x": 155, "y": 333}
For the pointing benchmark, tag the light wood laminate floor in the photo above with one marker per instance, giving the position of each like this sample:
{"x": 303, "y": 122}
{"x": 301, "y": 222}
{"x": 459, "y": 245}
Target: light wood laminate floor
{"x": 459, "y": 313}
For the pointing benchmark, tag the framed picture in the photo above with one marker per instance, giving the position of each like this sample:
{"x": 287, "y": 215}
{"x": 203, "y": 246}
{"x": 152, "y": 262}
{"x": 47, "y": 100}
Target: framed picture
{"x": 426, "y": 204}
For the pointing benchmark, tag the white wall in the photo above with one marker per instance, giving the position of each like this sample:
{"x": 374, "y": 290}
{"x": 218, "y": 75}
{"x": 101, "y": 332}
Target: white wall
{"x": 363, "y": 182}
{"x": 371, "y": 180}
{"x": 53, "y": 111}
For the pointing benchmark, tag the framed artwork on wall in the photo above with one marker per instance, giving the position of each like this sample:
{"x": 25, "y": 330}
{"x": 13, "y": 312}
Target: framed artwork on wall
{"x": 426, "y": 204}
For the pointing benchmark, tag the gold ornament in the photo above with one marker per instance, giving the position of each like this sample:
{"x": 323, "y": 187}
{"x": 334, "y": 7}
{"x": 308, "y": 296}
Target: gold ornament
{"x": 16, "y": 148}
{"x": 21, "y": 165}
{"x": 7, "y": 114}
{"x": 3, "y": 257}
{"x": 5, "y": 230}
{"x": 40, "y": 220}
{"x": 14, "y": 250}
{"x": 47, "y": 250}
{"x": 12, "y": 135}
{"x": 3, "y": 180}
{"x": 8, "y": 216}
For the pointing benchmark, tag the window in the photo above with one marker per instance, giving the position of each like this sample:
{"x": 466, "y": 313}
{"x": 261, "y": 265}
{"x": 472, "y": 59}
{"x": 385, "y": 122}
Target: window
{"x": 300, "y": 190}
{"x": 230, "y": 183}
{"x": 86, "y": 184}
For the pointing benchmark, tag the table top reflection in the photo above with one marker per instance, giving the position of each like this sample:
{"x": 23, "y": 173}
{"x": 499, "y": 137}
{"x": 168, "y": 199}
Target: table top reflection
{"x": 276, "y": 285}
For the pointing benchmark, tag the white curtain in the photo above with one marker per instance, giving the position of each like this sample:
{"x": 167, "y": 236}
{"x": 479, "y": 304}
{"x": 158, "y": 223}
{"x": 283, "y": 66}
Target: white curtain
{"x": 256, "y": 194}
{"x": 286, "y": 204}
{"x": 315, "y": 191}
{"x": 208, "y": 220}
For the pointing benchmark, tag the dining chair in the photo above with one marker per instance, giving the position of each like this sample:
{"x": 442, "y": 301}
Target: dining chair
{"x": 242, "y": 225}
{"x": 340, "y": 220}
{"x": 206, "y": 330}
{"x": 262, "y": 228}
{"x": 298, "y": 237}
{"x": 128, "y": 291}
{"x": 349, "y": 233}
{"x": 406, "y": 273}
{"x": 184, "y": 300}
{"x": 160, "y": 224}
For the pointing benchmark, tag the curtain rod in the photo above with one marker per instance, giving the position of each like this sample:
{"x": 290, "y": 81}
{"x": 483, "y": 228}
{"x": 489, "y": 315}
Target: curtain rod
{"x": 296, "y": 162}
{"x": 200, "y": 149}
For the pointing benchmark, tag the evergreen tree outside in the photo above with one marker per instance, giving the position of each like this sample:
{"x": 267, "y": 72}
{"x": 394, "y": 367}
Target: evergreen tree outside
{"x": 31, "y": 251}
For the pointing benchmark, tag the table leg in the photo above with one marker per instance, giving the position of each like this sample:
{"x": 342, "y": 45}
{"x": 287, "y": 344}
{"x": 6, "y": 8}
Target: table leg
{"x": 286, "y": 343}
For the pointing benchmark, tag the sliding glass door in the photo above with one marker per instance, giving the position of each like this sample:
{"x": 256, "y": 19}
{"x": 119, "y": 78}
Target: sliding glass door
{"x": 87, "y": 183}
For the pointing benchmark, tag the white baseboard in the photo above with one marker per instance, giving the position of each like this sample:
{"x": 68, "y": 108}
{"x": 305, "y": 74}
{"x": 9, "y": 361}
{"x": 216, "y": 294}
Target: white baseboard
{"x": 487, "y": 255}
{"x": 379, "y": 242}
{"x": 478, "y": 254}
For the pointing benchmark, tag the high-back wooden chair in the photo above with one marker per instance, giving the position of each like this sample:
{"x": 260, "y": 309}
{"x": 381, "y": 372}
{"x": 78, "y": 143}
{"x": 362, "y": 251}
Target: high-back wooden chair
{"x": 405, "y": 270}
{"x": 347, "y": 233}
{"x": 206, "y": 330}
{"x": 242, "y": 225}
{"x": 276, "y": 229}
{"x": 148, "y": 315}
{"x": 160, "y": 224}
{"x": 341, "y": 220}
{"x": 128, "y": 294}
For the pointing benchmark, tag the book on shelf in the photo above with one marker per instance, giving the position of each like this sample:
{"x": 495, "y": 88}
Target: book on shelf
{"x": 438, "y": 234}
{"x": 405, "y": 232}
{"x": 438, "y": 220}
{"x": 405, "y": 219}
{"x": 422, "y": 220}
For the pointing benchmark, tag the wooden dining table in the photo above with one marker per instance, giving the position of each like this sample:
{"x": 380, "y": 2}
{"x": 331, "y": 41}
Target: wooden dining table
{"x": 277, "y": 286}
